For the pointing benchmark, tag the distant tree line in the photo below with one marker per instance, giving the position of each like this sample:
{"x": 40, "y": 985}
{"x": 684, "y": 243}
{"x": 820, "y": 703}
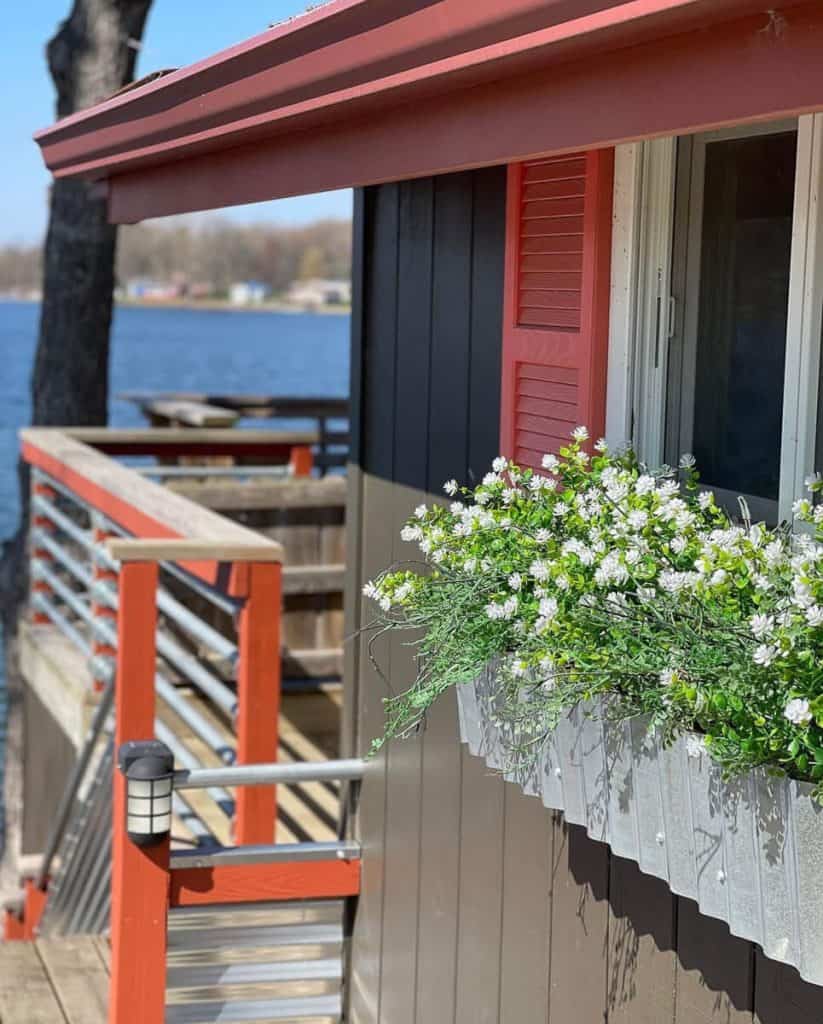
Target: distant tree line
{"x": 211, "y": 253}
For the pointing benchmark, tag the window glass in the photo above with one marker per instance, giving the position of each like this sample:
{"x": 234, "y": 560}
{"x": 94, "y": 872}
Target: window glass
{"x": 745, "y": 251}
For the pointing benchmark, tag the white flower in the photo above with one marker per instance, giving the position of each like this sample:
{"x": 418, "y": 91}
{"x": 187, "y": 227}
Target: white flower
{"x": 602, "y": 445}
{"x": 765, "y": 655}
{"x": 500, "y": 464}
{"x": 638, "y": 518}
{"x": 678, "y": 544}
{"x": 687, "y": 461}
{"x": 644, "y": 484}
{"x": 632, "y": 556}
{"x": 403, "y": 592}
{"x": 550, "y": 462}
{"x": 761, "y": 625}
{"x": 421, "y": 511}
{"x": 812, "y": 481}
{"x": 543, "y": 535}
{"x": 548, "y": 608}
{"x": 668, "y": 677}
{"x": 814, "y": 615}
{"x": 450, "y": 487}
{"x": 470, "y": 565}
{"x": 370, "y": 590}
{"x": 490, "y": 478}
{"x": 410, "y": 533}
{"x": 718, "y": 577}
{"x": 385, "y": 603}
{"x": 773, "y": 553}
{"x": 560, "y": 509}
{"x": 580, "y": 434}
{"x": 695, "y": 745}
{"x": 705, "y": 499}
{"x": 509, "y": 495}
{"x": 798, "y": 711}
{"x": 457, "y": 508}
{"x": 515, "y": 581}
{"x": 539, "y": 569}
{"x": 562, "y": 582}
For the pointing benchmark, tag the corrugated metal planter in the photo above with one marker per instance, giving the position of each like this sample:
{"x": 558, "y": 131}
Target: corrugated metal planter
{"x": 750, "y": 852}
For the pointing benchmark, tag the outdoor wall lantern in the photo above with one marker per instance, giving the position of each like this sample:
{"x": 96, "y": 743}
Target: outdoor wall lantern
{"x": 148, "y": 766}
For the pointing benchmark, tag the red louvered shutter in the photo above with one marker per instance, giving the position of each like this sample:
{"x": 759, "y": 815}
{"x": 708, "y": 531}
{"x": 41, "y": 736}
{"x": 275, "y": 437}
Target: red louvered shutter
{"x": 556, "y": 312}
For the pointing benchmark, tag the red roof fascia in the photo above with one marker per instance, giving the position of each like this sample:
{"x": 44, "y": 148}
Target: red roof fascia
{"x": 349, "y": 60}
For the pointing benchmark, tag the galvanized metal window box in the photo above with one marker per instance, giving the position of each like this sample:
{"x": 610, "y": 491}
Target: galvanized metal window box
{"x": 749, "y": 851}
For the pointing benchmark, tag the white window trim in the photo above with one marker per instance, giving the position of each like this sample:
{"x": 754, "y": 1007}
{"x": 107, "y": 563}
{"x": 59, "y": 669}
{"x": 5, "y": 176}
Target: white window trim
{"x": 639, "y": 327}
{"x": 803, "y": 338}
{"x": 641, "y": 273}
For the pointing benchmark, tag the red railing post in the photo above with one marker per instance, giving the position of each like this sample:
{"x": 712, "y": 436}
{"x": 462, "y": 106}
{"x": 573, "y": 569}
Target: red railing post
{"x": 258, "y": 699}
{"x": 140, "y": 877}
{"x": 301, "y": 461}
{"x": 45, "y": 524}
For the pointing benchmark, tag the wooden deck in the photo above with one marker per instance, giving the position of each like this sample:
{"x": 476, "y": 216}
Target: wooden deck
{"x": 54, "y": 981}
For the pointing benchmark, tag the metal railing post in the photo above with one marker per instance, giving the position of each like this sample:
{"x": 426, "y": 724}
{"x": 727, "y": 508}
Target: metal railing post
{"x": 43, "y": 523}
{"x": 102, "y": 575}
{"x": 140, "y": 877}
{"x": 258, "y": 698}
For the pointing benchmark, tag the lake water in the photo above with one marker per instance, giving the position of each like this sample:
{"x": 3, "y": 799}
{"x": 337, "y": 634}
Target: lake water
{"x": 173, "y": 350}
{"x": 177, "y": 350}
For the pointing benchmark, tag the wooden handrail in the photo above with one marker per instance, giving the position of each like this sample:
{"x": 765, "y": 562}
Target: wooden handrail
{"x": 208, "y": 440}
{"x": 165, "y": 525}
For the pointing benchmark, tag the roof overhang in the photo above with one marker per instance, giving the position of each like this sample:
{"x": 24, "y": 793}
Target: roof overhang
{"x": 362, "y": 91}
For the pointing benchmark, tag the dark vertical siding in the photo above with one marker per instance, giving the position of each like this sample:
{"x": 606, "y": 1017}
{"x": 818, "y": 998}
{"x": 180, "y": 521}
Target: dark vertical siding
{"x": 478, "y": 906}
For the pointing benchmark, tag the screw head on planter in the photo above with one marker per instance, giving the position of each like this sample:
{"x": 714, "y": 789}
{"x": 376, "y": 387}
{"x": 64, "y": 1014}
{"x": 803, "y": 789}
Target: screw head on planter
{"x": 148, "y": 766}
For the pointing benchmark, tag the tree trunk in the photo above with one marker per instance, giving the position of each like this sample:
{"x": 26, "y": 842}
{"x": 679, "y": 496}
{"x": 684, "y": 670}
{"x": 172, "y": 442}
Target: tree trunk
{"x": 91, "y": 56}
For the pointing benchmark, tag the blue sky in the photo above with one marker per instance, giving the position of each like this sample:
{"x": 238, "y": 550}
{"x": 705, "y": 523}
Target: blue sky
{"x": 178, "y": 33}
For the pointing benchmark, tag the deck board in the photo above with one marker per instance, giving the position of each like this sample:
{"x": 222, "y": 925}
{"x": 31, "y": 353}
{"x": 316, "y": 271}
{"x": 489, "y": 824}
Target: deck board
{"x": 54, "y": 981}
{"x": 78, "y": 976}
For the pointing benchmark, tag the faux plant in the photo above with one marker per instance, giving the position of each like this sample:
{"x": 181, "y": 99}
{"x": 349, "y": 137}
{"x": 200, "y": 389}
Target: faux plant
{"x": 598, "y": 576}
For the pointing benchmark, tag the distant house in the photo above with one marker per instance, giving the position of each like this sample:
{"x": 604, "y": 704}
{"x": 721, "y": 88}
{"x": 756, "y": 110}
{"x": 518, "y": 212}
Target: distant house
{"x": 248, "y": 293}
{"x": 147, "y": 290}
{"x": 316, "y": 292}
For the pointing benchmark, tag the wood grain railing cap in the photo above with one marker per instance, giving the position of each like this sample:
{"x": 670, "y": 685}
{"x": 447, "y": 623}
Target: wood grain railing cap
{"x": 199, "y": 533}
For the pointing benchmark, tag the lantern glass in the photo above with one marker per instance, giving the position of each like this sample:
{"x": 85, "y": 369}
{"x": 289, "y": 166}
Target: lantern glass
{"x": 148, "y": 768}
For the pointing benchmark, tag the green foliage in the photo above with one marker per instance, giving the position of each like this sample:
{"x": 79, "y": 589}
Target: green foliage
{"x": 598, "y": 576}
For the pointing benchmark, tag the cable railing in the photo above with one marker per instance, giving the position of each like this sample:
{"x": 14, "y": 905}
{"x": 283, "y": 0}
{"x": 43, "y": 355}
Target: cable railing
{"x": 124, "y": 568}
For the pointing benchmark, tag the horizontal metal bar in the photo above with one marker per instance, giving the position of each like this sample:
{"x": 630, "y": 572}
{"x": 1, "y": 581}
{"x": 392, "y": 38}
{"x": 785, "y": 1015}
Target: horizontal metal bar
{"x": 184, "y": 756}
{"x": 41, "y": 571}
{"x": 204, "y": 680}
{"x": 195, "y": 626}
{"x": 222, "y": 601}
{"x": 196, "y": 722}
{"x": 270, "y": 774}
{"x": 283, "y": 853}
{"x": 39, "y": 476}
{"x": 42, "y": 604}
{"x": 70, "y": 528}
{"x": 42, "y": 539}
{"x": 231, "y": 606}
{"x": 281, "y": 471}
{"x": 175, "y": 610}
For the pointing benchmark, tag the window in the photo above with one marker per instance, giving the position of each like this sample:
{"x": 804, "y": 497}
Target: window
{"x": 724, "y": 336}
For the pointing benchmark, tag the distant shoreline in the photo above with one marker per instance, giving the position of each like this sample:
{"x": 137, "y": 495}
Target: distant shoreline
{"x": 209, "y": 306}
